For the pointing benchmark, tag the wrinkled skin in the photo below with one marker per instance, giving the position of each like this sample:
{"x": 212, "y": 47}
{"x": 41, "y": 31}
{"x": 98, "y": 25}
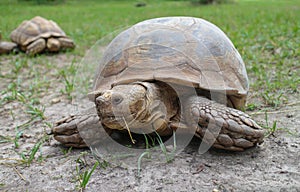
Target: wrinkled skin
{"x": 147, "y": 107}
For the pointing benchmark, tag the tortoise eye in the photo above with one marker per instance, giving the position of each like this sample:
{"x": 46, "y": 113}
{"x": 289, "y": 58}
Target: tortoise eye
{"x": 116, "y": 99}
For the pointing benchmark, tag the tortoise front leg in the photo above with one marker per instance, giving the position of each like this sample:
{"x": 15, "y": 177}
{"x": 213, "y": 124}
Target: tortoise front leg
{"x": 53, "y": 44}
{"x": 80, "y": 130}
{"x": 66, "y": 132}
{"x": 221, "y": 126}
{"x": 36, "y": 47}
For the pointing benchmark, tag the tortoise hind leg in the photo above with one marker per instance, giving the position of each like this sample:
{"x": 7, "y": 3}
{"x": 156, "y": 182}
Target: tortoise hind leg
{"x": 221, "y": 126}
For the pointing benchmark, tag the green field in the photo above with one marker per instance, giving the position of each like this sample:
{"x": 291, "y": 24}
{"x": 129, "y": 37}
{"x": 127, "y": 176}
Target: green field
{"x": 265, "y": 32}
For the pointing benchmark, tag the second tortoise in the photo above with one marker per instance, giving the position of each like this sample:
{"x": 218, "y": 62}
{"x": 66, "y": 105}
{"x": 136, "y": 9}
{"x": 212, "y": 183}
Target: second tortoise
{"x": 39, "y": 34}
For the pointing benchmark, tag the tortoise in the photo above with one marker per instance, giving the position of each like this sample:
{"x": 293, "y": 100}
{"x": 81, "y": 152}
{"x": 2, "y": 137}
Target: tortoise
{"x": 7, "y": 47}
{"x": 167, "y": 74}
{"x": 39, "y": 34}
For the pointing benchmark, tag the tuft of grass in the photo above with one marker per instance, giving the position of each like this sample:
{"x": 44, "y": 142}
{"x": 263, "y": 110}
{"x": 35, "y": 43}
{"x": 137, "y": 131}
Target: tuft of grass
{"x": 17, "y": 137}
{"x": 30, "y": 155}
{"x": 19, "y": 64}
{"x": 273, "y": 99}
{"x": 145, "y": 154}
{"x": 270, "y": 129}
{"x": 85, "y": 177}
{"x": 69, "y": 85}
{"x": 13, "y": 93}
{"x": 68, "y": 75}
{"x": 66, "y": 151}
{"x": 169, "y": 156}
{"x": 36, "y": 112}
{"x": 82, "y": 174}
{"x": 251, "y": 107}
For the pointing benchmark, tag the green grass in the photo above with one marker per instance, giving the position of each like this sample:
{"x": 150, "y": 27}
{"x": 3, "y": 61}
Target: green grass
{"x": 267, "y": 40}
{"x": 83, "y": 175}
{"x": 83, "y": 178}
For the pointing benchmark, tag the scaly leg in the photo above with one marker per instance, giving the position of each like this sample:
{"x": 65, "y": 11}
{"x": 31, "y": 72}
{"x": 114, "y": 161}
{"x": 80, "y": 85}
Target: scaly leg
{"x": 53, "y": 44}
{"x": 221, "y": 126}
{"x": 36, "y": 47}
{"x": 79, "y": 130}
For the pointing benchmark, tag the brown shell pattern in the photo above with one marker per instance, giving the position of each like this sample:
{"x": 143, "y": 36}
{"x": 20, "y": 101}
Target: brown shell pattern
{"x": 182, "y": 50}
{"x": 29, "y": 31}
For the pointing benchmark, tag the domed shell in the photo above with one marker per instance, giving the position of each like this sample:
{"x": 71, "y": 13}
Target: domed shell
{"x": 37, "y": 27}
{"x": 182, "y": 50}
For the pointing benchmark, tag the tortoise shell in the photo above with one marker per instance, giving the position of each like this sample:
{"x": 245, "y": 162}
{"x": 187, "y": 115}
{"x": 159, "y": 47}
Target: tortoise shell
{"x": 180, "y": 50}
{"x": 37, "y": 27}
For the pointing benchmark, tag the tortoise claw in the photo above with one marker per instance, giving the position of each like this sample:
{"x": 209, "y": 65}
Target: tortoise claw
{"x": 76, "y": 130}
{"x": 66, "y": 132}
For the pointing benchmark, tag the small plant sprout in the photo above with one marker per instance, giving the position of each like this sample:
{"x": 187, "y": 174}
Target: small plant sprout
{"x": 36, "y": 112}
{"x": 69, "y": 85}
{"x": 30, "y": 156}
{"x": 168, "y": 155}
{"x": 66, "y": 151}
{"x": 147, "y": 154}
{"x": 17, "y": 137}
{"x": 273, "y": 99}
{"x": 272, "y": 129}
{"x": 83, "y": 178}
{"x": 67, "y": 75}
{"x": 144, "y": 154}
{"x": 18, "y": 65}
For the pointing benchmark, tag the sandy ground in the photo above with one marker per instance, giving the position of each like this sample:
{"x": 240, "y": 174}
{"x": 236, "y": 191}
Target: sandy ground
{"x": 272, "y": 166}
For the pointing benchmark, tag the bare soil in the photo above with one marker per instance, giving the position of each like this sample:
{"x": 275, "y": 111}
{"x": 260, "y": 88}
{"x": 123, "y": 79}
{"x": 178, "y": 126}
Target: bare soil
{"x": 272, "y": 166}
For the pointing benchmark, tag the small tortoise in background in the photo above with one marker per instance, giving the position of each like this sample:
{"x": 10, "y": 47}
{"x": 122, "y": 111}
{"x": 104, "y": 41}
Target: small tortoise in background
{"x": 40, "y": 34}
{"x": 147, "y": 70}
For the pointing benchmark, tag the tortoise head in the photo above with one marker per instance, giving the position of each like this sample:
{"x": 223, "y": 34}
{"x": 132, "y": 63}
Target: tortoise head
{"x": 131, "y": 106}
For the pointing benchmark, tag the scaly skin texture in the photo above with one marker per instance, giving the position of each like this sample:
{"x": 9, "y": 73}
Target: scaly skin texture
{"x": 36, "y": 47}
{"x": 71, "y": 130}
{"x": 221, "y": 126}
{"x": 66, "y": 130}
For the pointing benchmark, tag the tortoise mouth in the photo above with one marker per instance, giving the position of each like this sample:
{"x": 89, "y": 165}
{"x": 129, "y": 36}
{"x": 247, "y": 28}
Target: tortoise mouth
{"x": 113, "y": 122}
{"x": 116, "y": 122}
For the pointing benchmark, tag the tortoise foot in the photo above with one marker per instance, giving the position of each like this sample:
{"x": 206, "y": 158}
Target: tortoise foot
{"x": 66, "y": 132}
{"x": 224, "y": 127}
